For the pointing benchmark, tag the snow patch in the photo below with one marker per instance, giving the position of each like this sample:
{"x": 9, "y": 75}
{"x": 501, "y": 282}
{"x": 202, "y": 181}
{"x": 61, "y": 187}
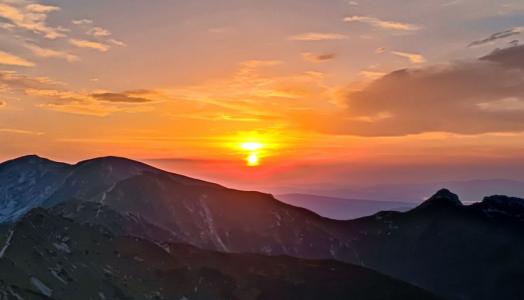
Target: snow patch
{"x": 211, "y": 224}
{"x": 41, "y": 286}
{"x": 62, "y": 247}
{"x": 7, "y": 243}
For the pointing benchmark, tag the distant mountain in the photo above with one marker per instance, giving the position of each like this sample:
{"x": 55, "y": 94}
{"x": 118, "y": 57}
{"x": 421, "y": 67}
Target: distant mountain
{"x": 456, "y": 251}
{"x": 342, "y": 209}
{"x": 49, "y": 257}
{"x": 469, "y": 190}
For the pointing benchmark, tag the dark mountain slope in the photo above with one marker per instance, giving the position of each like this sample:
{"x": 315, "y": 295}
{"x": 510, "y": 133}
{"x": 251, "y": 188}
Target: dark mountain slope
{"x": 463, "y": 252}
{"x": 46, "y": 255}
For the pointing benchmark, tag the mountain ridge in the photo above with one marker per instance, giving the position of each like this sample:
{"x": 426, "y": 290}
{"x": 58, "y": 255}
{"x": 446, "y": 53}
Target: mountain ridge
{"x": 441, "y": 236}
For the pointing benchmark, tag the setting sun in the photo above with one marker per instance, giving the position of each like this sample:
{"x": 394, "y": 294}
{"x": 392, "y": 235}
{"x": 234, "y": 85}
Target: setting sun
{"x": 252, "y": 160}
{"x": 253, "y": 150}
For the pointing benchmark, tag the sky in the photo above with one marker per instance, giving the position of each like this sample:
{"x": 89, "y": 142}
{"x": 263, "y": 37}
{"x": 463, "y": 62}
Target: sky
{"x": 268, "y": 94}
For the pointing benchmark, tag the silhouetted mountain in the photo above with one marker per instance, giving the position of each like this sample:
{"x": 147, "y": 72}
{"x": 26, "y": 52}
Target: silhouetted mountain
{"x": 342, "y": 209}
{"x": 457, "y": 251}
{"x": 49, "y": 257}
{"x": 469, "y": 190}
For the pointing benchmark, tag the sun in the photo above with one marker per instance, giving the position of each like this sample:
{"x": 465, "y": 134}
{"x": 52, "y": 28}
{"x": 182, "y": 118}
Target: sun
{"x": 252, "y": 160}
{"x": 254, "y": 147}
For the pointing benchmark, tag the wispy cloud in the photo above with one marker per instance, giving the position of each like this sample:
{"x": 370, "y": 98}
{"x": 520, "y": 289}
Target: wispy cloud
{"x": 101, "y": 35}
{"x": 82, "y": 22}
{"x": 503, "y": 105}
{"x": 19, "y": 131}
{"x": 31, "y": 17}
{"x": 13, "y": 60}
{"x": 413, "y": 57}
{"x": 317, "y": 58}
{"x": 126, "y": 97}
{"x": 51, "y": 53}
{"x": 3, "y": 104}
{"x": 12, "y": 80}
{"x": 376, "y": 22}
{"x": 318, "y": 36}
{"x": 99, "y": 32}
{"x": 497, "y": 36}
{"x": 90, "y": 45}
{"x": 117, "y": 42}
{"x": 53, "y": 95}
{"x": 373, "y": 75}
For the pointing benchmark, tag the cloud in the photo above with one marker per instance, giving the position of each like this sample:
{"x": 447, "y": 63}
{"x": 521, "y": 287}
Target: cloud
{"x": 413, "y": 57}
{"x": 509, "y": 57}
{"x": 317, "y": 58}
{"x": 51, "y": 53}
{"x": 31, "y": 17}
{"x": 13, "y": 60}
{"x": 318, "y": 36}
{"x": 14, "y": 81}
{"x": 55, "y": 96}
{"x": 117, "y": 42}
{"x": 375, "y": 22}
{"x": 120, "y": 97}
{"x": 41, "y": 8}
{"x": 91, "y": 104}
{"x": 98, "y": 32}
{"x": 19, "y": 131}
{"x": 372, "y": 74}
{"x": 468, "y": 97}
{"x": 82, "y": 22}
{"x": 497, "y": 36}
{"x": 503, "y": 105}
{"x": 3, "y": 104}
{"x": 90, "y": 45}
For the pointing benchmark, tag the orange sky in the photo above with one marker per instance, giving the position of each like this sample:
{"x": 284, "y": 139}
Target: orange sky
{"x": 330, "y": 89}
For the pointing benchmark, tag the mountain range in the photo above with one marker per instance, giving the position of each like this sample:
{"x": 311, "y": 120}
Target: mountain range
{"x": 413, "y": 192}
{"x": 454, "y": 251}
{"x": 342, "y": 208}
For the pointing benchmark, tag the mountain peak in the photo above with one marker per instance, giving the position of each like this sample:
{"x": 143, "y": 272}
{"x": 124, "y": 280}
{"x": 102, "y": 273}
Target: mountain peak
{"x": 443, "y": 198}
{"x": 29, "y": 160}
{"x": 511, "y": 205}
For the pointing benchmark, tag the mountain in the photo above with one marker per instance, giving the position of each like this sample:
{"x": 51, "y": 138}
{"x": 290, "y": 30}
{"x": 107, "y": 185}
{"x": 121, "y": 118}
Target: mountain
{"x": 49, "y": 257}
{"x": 342, "y": 209}
{"x": 465, "y": 252}
{"x": 456, "y": 251}
{"x": 469, "y": 190}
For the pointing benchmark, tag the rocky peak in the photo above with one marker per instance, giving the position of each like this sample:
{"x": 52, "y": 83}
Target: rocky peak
{"x": 442, "y": 199}
{"x": 503, "y": 204}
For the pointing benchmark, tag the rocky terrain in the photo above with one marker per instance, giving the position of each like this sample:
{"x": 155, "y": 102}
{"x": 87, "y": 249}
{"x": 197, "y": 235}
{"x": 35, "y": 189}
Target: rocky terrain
{"x": 49, "y": 257}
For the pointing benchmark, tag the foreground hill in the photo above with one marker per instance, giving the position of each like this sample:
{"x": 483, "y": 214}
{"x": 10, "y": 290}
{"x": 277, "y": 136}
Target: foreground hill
{"x": 454, "y": 250}
{"x": 49, "y": 257}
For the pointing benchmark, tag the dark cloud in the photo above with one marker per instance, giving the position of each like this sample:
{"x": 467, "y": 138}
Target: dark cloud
{"x": 511, "y": 57}
{"x": 485, "y": 95}
{"x": 497, "y": 36}
{"x": 120, "y": 98}
{"x": 14, "y": 81}
{"x": 318, "y": 58}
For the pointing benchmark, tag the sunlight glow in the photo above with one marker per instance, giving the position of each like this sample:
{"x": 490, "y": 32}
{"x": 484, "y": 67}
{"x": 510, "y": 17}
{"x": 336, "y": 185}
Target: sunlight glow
{"x": 253, "y": 160}
{"x": 251, "y": 146}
